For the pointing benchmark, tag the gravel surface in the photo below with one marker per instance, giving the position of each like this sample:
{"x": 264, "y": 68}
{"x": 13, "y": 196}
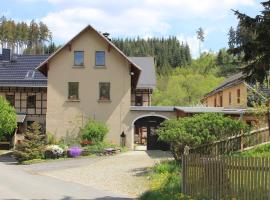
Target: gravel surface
{"x": 122, "y": 174}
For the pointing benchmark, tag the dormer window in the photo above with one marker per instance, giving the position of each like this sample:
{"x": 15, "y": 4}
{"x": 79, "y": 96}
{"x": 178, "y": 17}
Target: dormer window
{"x": 30, "y": 74}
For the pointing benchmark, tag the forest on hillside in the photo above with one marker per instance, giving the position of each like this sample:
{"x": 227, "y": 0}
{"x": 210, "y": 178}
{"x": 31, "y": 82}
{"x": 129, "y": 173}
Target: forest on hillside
{"x": 168, "y": 52}
{"x": 181, "y": 80}
{"x": 27, "y": 38}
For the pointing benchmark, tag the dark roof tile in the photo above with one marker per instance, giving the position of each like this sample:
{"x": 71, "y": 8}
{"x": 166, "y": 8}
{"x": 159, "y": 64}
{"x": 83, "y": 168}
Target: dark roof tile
{"x": 14, "y": 72}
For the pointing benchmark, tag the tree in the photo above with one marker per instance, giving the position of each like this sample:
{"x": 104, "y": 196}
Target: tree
{"x": 168, "y": 52}
{"x": 197, "y": 130}
{"x": 253, "y": 40}
{"x": 8, "y": 121}
{"x": 200, "y": 37}
{"x": 19, "y": 36}
{"x": 231, "y": 37}
{"x": 184, "y": 86}
{"x": 33, "y": 144}
{"x": 227, "y": 63}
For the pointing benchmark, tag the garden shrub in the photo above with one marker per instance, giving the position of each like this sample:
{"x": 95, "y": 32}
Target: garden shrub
{"x": 53, "y": 151}
{"x": 197, "y": 130}
{"x": 74, "y": 151}
{"x": 94, "y": 131}
{"x": 33, "y": 145}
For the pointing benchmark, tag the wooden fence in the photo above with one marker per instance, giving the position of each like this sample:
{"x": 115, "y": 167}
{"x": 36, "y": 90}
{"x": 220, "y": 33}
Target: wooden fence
{"x": 220, "y": 177}
{"x": 234, "y": 143}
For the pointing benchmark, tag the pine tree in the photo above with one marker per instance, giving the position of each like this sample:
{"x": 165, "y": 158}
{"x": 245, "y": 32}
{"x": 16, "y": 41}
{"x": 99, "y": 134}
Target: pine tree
{"x": 33, "y": 144}
{"x": 19, "y": 36}
{"x": 232, "y": 38}
{"x": 253, "y": 40}
{"x": 168, "y": 52}
{"x": 200, "y": 37}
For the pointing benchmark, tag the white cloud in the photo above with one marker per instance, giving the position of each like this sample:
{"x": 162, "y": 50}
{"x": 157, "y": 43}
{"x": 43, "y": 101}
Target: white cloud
{"x": 132, "y": 22}
{"x": 193, "y": 43}
{"x": 143, "y": 18}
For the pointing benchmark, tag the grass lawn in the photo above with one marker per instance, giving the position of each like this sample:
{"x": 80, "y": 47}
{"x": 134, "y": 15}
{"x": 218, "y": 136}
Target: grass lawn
{"x": 165, "y": 183}
{"x": 259, "y": 151}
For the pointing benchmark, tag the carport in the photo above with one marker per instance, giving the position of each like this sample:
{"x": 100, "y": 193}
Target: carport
{"x": 146, "y": 123}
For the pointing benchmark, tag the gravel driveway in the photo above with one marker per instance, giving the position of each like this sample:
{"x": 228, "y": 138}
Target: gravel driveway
{"x": 122, "y": 174}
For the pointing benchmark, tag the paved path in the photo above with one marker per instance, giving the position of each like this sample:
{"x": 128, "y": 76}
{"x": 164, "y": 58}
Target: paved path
{"x": 16, "y": 183}
{"x": 121, "y": 174}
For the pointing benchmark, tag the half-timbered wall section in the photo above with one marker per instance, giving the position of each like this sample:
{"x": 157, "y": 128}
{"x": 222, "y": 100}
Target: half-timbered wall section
{"x": 29, "y": 100}
{"x": 141, "y": 97}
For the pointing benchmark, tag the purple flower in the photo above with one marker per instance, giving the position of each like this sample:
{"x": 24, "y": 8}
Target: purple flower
{"x": 74, "y": 151}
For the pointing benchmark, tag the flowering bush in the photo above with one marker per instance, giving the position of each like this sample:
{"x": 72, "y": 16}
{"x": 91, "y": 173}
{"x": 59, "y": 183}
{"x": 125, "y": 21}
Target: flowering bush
{"x": 86, "y": 142}
{"x": 74, "y": 151}
{"x": 53, "y": 151}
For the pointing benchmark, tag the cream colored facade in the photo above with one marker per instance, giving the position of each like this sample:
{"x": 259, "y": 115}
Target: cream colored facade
{"x": 228, "y": 97}
{"x": 65, "y": 117}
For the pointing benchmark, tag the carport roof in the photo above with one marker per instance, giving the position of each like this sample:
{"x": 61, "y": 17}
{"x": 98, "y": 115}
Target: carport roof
{"x": 211, "y": 110}
{"x": 194, "y": 109}
{"x": 152, "y": 108}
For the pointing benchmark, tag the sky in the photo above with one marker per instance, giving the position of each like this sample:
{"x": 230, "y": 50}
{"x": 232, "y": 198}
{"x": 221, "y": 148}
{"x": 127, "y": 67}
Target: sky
{"x": 132, "y": 18}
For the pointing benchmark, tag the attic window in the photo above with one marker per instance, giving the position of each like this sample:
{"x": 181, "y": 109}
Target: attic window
{"x": 30, "y": 74}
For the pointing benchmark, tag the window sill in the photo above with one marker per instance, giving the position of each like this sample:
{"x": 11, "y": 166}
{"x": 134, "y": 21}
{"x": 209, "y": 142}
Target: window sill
{"x": 78, "y": 66}
{"x": 73, "y": 100}
{"x": 104, "y": 101}
{"x": 100, "y": 67}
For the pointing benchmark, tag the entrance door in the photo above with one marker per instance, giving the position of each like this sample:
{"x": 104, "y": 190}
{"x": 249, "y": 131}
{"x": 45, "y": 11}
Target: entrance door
{"x": 151, "y": 125}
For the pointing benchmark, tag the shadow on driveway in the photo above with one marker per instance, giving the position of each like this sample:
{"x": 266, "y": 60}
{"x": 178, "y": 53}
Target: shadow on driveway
{"x": 8, "y": 159}
{"x": 159, "y": 154}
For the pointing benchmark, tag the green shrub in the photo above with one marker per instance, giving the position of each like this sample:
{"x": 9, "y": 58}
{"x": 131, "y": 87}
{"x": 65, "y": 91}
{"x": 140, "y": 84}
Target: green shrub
{"x": 32, "y": 147}
{"x": 50, "y": 138}
{"x": 94, "y": 131}
{"x": 197, "y": 130}
{"x": 8, "y": 121}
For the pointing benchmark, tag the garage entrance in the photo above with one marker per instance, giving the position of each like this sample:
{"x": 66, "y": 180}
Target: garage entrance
{"x": 145, "y": 134}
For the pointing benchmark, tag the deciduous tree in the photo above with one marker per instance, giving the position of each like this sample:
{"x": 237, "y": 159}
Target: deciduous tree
{"x": 8, "y": 122}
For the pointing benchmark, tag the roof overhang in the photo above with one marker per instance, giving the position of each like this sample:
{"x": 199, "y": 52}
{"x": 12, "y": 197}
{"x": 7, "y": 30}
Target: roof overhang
{"x": 135, "y": 70}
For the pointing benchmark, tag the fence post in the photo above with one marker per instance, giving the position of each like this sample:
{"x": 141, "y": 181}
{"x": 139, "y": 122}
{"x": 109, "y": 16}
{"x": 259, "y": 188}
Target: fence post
{"x": 184, "y": 169}
{"x": 183, "y": 174}
{"x": 241, "y": 141}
